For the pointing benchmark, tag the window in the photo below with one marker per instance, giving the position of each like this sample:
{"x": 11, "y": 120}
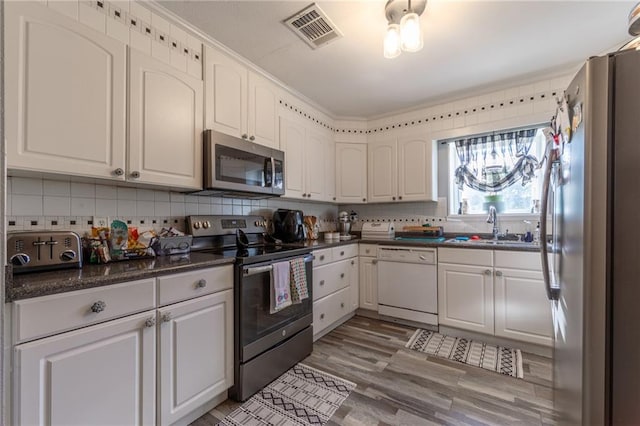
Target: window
{"x": 491, "y": 175}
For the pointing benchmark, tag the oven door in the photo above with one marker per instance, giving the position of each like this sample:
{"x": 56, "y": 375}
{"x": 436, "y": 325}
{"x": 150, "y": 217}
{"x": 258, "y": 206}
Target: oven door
{"x": 258, "y": 329}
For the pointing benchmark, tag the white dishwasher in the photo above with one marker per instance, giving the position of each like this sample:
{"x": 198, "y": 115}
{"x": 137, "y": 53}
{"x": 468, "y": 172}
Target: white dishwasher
{"x": 408, "y": 283}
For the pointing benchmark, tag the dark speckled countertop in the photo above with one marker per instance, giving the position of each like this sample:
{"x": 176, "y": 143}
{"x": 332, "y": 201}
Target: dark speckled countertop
{"x": 23, "y": 286}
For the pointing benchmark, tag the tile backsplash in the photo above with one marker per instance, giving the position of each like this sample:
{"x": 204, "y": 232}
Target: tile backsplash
{"x": 35, "y": 203}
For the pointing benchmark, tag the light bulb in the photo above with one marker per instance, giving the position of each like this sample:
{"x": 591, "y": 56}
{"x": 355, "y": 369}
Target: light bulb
{"x": 392, "y": 41}
{"x": 410, "y": 33}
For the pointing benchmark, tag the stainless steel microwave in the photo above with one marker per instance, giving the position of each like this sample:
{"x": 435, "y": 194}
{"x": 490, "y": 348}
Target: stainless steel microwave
{"x": 234, "y": 166}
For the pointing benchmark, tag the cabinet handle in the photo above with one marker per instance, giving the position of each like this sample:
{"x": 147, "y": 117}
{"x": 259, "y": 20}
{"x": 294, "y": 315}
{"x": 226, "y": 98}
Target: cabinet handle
{"x": 322, "y": 282}
{"x": 321, "y": 316}
{"x": 342, "y": 305}
{"x": 118, "y": 172}
{"x": 98, "y": 307}
{"x": 166, "y": 317}
{"x": 201, "y": 283}
{"x": 252, "y": 138}
{"x": 342, "y": 275}
{"x": 422, "y": 257}
{"x": 498, "y": 273}
{"x": 487, "y": 272}
{"x": 374, "y": 261}
{"x": 135, "y": 175}
{"x": 244, "y": 136}
{"x": 150, "y": 322}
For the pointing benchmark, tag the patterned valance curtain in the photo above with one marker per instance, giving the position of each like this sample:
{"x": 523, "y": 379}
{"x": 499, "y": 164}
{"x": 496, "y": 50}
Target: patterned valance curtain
{"x": 494, "y": 162}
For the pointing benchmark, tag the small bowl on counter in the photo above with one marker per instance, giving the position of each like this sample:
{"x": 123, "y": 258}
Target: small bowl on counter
{"x": 332, "y": 236}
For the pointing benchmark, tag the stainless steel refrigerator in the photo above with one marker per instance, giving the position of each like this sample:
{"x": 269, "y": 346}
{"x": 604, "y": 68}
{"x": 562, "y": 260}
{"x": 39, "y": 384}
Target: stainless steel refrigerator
{"x": 592, "y": 264}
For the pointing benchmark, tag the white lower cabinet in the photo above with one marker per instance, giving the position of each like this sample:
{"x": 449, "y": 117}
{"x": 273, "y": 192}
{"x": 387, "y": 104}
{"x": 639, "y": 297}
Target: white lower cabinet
{"x": 100, "y": 375}
{"x": 333, "y": 287}
{"x": 195, "y": 354}
{"x": 497, "y": 292}
{"x": 368, "y": 277}
{"x": 131, "y": 368}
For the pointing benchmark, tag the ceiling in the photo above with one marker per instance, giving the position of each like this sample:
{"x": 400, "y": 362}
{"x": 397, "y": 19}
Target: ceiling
{"x": 469, "y": 47}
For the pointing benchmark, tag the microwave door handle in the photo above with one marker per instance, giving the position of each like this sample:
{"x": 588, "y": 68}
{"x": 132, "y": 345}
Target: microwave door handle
{"x": 273, "y": 172}
{"x": 552, "y": 293}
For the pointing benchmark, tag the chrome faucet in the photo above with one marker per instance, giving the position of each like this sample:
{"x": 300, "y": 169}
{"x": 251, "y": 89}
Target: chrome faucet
{"x": 493, "y": 218}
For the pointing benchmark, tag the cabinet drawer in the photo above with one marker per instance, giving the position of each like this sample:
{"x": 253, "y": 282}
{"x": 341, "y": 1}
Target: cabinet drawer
{"x": 330, "y": 309}
{"x": 518, "y": 260}
{"x": 477, "y": 257}
{"x": 42, "y": 316}
{"x": 368, "y": 250}
{"x": 344, "y": 252}
{"x": 322, "y": 257}
{"x": 329, "y": 278}
{"x": 178, "y": 287}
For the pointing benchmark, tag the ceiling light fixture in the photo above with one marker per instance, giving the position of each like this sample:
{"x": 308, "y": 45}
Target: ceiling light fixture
{"x": 403, "y": 30}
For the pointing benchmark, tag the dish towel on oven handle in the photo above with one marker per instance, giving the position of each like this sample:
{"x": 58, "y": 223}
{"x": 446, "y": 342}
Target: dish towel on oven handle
{"x": 299, "y": 289}
{"x": 280, "y": 286}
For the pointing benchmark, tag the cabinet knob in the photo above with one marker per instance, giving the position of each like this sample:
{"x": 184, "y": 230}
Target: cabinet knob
{"x": 166, "y": 317}
{"x": 367, "y": 251}
{"x": 135, "y": 175}
{"x": 244, "y": 136}
{"x": 201, "y": 283}
{"x": 400, "y": 197}
{"x": 374, "y": 261}
{"x": 321, "y": 282}
{"x": 118, "y": 172}
{"x": 321, "y": 316}
{"x": 353, "y": 262}
{"x": 487, "y": 272}
{"x": 252, "y": 138}
{"x": 498, "y": 273}
{"x": 334, "y": 198}
{"x": 322, "y": 257}
{"x": 342, "y": 305}
{"x": 150, "y": 322}
{"x": 342, "y": 275}
{"x": 393, "y": 198}
{"x": 342, "y": 253}
{"x": 98, "y": 307}
{"x": 364, "y": 199}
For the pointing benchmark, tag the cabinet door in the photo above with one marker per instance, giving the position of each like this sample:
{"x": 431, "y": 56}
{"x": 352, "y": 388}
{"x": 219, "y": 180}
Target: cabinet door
{"x": 165, "y": 124}
{"x": 315, "y": 153}
{"x": 417, "y": 169}
{"x": 383, "y": 173}
{"x": 465, "y": 297}
{"x": 225, "y": 93}
{"x": 351, "y": 173}
{"x": 65, "y": 95}
{"x": 196, "y": 353}
{"x": 522, "y": 310}
{"x": 292, "y": 142}
{"x": 369, "y": 283}
{"x": 262, "y": 115}
{"x": 99, "y": 375}
{"x": 330, "y": 169}
{"x": 354, "y": 283}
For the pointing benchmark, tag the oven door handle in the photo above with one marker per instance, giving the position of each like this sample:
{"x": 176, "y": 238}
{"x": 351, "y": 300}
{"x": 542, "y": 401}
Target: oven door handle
{"x": 268, "y": 268}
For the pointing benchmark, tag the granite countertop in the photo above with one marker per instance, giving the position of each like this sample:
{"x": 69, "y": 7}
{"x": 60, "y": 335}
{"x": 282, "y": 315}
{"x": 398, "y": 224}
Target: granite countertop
{"x": 23, "y": 286}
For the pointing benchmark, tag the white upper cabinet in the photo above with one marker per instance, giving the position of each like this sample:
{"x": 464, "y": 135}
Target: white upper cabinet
{"x": 165, "y": 124}
{"x": 351, "y": 172}
{"x": 239, "y": 102}
{"x": 292, "y": 135}
{"x": 402, "y": 168}
{"x": 330, "y": 169}
{"x": 383, "y": 172}
{"x": 65, "y": 95}
{"x": 263, "y": 125}
{"x": 225, "y": 93}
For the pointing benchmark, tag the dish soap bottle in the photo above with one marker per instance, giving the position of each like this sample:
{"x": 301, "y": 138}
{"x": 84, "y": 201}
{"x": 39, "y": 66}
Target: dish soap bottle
{"x": 536, "y": 235}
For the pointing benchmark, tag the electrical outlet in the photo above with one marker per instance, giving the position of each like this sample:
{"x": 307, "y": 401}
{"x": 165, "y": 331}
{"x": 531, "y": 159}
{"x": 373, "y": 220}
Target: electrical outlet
{"x": 100, "y": 221}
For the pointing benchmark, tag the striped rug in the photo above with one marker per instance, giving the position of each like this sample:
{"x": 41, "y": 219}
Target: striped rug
{"x": 490, "y": 357}
{"x": 302, "y": 396}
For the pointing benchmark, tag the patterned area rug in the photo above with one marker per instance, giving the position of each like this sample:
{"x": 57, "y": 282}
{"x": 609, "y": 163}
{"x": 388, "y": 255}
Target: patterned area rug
{"x": 301, "y": 396}
{"x": 490, "y": 357}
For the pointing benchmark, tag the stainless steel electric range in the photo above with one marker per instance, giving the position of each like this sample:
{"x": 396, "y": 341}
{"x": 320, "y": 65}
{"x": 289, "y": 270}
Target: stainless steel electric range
{"x": 266, "y": 345}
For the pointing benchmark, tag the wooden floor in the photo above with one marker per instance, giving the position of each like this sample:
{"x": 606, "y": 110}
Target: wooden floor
{"x": 398, "y": 386}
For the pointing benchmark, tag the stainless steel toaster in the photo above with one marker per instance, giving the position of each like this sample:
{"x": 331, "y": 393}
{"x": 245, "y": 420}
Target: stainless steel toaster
{"x": 40, "y": 250}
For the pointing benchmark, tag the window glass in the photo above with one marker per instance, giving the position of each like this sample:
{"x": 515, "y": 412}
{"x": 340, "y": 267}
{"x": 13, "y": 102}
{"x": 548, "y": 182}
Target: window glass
{"x": 515, "y": 199}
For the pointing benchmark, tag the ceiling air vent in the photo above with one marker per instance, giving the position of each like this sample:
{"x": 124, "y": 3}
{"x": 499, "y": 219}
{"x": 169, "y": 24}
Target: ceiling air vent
{"x": 313, "y": 26}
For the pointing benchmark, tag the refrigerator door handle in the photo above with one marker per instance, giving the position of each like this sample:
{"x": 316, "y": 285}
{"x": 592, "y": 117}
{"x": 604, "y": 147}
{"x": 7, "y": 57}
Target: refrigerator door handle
{"x": 552, "y": 293}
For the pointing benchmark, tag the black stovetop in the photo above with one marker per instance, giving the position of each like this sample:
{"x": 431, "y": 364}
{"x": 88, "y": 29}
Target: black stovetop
{"x": 260, "y": 253}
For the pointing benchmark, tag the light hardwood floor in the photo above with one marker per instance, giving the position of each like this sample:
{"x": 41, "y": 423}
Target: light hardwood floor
{"x": 398, "y": 386}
